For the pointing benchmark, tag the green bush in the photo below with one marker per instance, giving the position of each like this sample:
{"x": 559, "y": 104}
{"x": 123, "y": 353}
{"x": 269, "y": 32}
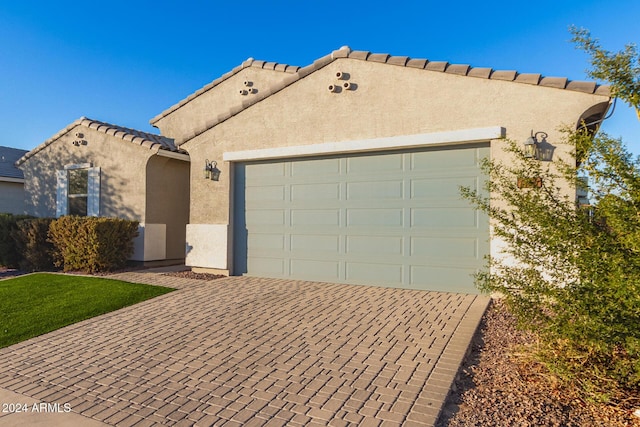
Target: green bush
{"x": 32, "y": 244}
{"x": 9, "y": 256}
{"x": 92, "y": 244}
{"x": 572, "y": 274}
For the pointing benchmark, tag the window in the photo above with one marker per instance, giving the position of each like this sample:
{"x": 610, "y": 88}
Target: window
{"x": 78, "y": 191}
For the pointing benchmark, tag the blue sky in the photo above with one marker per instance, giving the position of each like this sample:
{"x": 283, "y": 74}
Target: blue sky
{"x": 124, "y": 62}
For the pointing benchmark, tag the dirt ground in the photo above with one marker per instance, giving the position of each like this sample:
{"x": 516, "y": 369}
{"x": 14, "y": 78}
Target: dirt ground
{"x": 500, "y": 386}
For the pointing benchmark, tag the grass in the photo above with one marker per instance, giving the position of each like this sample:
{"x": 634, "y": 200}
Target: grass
{"x": 38, "y": 303}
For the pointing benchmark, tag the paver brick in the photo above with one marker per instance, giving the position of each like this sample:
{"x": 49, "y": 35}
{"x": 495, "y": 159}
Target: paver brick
{"x": 312, "y": 353}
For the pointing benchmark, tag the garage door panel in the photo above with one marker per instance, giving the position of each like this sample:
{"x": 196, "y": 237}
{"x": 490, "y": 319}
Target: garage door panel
{"x": 444, "y": 247}
{"x": 265, "y": 217}
{"x": 454, "y": 279}
{"x": 375, "y": 164}
{"x": 444, "y": 188}
{"x": 390, "y": 219}
{"x": 315, "y": 243}
{"x": 317, "y": 167}
{"x": 267, "y": 266}
{"x": 265, "y": 193}
{"x": 266, "y": 241}
{"x": 443, "y": 218}
{"x": 375, "y": 217}
{"x": 265, "y": 170}
{"x": 446, "y": 159}
{"x": 314, "y": 217}
{"x": 322, "y": 270}
{"x": 366, "y": 272}
{"x": 375, "y": 190}
{"x": 374, "y": 245}
{"x": 315, "y": 191}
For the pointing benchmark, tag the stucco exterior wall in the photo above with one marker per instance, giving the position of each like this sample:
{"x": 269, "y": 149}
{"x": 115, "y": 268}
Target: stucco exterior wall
{"x": 11, "y": 197}
{"x": 167, "y": 189}
{"x": 122, "y": 181}
{"x": 207, "y": 106}
{"x": 387, "y": 101}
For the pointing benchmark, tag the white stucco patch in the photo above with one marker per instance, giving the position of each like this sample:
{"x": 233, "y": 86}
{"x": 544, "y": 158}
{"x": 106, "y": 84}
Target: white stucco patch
{"x": 207, "y": 246}
{"x": 151, "y": 243}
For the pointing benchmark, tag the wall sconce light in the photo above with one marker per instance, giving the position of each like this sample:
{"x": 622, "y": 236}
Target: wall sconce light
{"x": 210, "y": 170}
{"x": 532, "y": 146}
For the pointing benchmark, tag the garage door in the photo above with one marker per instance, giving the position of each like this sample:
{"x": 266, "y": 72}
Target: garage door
{"x": 391, "y": 219}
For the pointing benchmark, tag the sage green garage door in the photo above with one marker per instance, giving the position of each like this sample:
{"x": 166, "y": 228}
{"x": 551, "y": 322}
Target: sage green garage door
{"x": 391, "y": 219}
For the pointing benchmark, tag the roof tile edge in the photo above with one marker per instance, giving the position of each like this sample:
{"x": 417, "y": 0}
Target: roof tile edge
{"x": 249, "y": 62}
{"x": 130, "y": 135}
{"x": 462, "y": 70}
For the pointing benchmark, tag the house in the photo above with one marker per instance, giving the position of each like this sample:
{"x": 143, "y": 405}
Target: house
{"x": 11, "y": 181}
{"x": 99, "y": 169}
{"x": 348, "y": 170}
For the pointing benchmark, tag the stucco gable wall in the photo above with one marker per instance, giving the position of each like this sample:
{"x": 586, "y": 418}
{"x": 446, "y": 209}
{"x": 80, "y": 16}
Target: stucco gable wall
{"x": 122, "y": 181}
{"x": 388, "y": 101}
{"x": 206, "y": 106}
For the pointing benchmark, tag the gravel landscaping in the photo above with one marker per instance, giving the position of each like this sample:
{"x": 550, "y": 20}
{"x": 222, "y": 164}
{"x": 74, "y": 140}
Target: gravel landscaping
{"x": 500, "y": 386}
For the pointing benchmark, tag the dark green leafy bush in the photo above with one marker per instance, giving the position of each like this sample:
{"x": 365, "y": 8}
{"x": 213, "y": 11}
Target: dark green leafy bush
{"x": 91, "y": 244}
{"x": 572, "y": 274}
{"x": 9, "y": 256}
{"x": 32, "y": 244}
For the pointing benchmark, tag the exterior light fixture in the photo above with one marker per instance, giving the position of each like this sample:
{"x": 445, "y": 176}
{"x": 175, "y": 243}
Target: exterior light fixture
{"x": 210, "y": 170}
{"x": 532, "y": 149}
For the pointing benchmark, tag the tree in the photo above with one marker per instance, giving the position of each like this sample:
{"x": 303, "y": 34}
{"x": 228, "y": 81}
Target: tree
{"x": 576, "y": 276}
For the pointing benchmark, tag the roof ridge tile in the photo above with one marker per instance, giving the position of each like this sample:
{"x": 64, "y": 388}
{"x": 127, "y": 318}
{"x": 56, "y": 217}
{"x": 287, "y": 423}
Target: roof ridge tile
{"x": 343, "y": 52}
{"x": 398, "y": 60}
{"x": 507, "y": 75}
{"x": 379, "y": 57}
{"x": 480, "y": 72}
{"x": 557, "y": 82}
{"x": 249, "y": 62}
{"x": 528, "y": 78}
{"x": 359, "y": 54}
{"x": 127, "y": 134}
{"x": 458, "y": 69}
{"x": 437, "y": 66}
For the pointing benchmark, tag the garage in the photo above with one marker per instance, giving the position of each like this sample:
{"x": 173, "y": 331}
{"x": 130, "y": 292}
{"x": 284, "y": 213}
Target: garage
{"x": 392, "y": 218}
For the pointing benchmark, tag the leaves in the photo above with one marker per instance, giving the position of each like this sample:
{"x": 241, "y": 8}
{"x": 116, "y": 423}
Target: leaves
{"x": 92, "y": 244}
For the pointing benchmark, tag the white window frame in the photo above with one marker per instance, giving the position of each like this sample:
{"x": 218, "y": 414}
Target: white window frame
{"x": 93, "y": 189}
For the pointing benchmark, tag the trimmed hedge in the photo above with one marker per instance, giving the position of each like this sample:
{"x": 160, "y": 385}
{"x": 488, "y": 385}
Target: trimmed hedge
{"x": 31, "y": 240}
{"x": 9, "y": 255}
{"x": 92, "y": 244}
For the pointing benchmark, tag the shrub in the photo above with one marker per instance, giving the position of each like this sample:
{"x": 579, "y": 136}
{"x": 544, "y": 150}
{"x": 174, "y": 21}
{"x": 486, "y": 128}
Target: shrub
{"x": 9, "y": 256}
{"x": 576, "y": 279}
{"x": 92, "y": 244}
{"x": 576, "y": 276}
{"x": 32, "y": 244}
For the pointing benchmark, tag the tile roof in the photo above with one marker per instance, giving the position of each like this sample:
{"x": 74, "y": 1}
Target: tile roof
{"x": 250, "y": 62}
{"x": 144, "y": 139}
{"x": 8, "y": 158}
{"x": 402, "y": 61}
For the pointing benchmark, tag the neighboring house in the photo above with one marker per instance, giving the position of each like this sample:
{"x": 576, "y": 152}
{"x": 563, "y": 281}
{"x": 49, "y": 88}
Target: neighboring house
{"x": 11, "y": 181}
{"x": 348, "y": 170}
{"x": 98, "y": 169}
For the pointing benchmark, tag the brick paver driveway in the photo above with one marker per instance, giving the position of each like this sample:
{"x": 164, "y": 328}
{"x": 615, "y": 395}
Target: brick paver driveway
{"x": 250, "y": 351}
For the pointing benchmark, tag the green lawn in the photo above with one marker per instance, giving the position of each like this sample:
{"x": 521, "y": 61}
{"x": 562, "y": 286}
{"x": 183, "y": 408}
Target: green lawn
{"x": 35, "y": 304}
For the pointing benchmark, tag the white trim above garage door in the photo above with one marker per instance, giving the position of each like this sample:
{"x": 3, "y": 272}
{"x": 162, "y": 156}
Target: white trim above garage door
{"x": 390, "y": 218}
{"x": 464, "y": 136}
